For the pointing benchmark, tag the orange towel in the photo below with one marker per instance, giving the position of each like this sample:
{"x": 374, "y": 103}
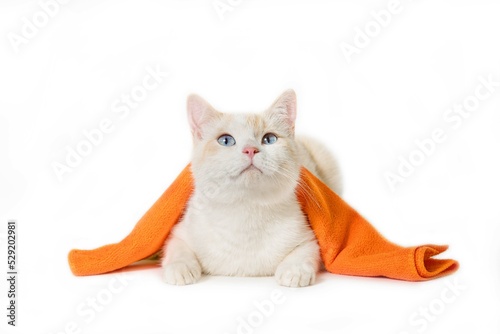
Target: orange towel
{"x": 349, "y": 244}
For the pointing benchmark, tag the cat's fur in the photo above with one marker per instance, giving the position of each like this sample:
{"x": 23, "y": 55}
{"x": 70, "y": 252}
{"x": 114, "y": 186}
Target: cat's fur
{"x": 241, "y": 220}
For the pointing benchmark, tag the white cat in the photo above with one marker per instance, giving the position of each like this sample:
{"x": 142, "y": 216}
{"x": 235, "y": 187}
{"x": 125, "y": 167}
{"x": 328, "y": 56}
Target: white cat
{"x": 243, "y": 218}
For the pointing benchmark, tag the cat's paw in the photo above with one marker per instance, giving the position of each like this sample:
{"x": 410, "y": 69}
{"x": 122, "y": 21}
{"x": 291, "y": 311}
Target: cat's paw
{"x": 180, "y": 273}
{"x": 295, "y": 275}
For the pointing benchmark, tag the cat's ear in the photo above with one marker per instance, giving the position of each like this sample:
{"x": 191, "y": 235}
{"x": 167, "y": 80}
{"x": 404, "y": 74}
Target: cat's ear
{"x": 285, "y": 108}
{"x": 200, "y": 113}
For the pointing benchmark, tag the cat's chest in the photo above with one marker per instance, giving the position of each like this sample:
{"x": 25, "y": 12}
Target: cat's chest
{"x": 246, "y": 226}
{"x": 245, "y": 240}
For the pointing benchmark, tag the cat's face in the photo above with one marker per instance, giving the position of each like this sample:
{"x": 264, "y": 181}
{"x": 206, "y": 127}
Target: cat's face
{"x": 249, "y": 157}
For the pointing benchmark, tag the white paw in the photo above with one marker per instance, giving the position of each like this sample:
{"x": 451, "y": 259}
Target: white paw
{"x": 295, "y": 275}
{"x": 180, "y": 273}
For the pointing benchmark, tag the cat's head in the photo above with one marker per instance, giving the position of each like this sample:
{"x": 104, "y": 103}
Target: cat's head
{"x": 250, "y": 157}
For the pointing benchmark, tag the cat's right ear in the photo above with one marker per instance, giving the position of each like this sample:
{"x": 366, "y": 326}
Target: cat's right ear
{"x": 284, "y": 109}
{"x": 200, "y": 113}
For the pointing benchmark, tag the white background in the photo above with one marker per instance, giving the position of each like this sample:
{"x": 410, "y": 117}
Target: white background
{"x": 66, "y": 77}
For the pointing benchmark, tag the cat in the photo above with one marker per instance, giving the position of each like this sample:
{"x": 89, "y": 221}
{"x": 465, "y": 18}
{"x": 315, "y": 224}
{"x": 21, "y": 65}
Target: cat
{"x": 243, "y": 218}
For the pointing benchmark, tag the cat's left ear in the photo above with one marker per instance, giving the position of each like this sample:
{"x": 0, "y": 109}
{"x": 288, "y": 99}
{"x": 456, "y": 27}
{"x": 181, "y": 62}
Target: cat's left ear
{"x": 285, "y": 108}
{"x": 200, "y": 114}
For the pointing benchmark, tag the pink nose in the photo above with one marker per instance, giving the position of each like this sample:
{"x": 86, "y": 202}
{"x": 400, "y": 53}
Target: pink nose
{"x": 250, "y": 151}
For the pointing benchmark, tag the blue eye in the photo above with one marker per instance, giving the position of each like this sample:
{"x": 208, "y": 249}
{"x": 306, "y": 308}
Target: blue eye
{"x": 226, "y": 140}
{"x": 269, "y": 139}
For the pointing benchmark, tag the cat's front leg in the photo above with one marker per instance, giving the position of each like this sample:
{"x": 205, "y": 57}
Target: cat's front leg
{"x": 180, "y": 265}
{"x": 299, "y": 268}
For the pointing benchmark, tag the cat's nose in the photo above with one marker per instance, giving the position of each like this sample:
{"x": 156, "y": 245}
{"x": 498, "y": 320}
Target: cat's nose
{"x": 250, "y": 151}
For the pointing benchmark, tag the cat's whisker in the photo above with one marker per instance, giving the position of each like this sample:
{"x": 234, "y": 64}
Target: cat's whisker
{"x": 290, "y": 174}
{"x": 308, "y": 192}
{"x": 300, "y": 183}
